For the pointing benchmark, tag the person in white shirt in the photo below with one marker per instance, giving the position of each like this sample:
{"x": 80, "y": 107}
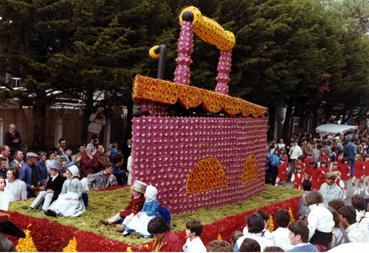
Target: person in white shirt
{"x": 280, "y": 235}
{"x": 295, "y": 153}
{"x": 266, "y": 231}
{"x": 255, "y": 227}
{"x": 320, "y": 220}
{"x": 356, "y": 231}
{"x": 16, "y": 188}
{"x": 330, "y": 190}
{"x": 299, "y": 237}
{"x": 193, "y": 241}
{"x": 4, "y": 197}
{"x": 362, "y": 215}
{"x": 281, "y": 144}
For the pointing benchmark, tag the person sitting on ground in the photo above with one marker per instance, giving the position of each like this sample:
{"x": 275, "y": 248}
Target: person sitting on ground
{"x": 303, "y": 208}
{"x": 249, "y": 245}
{"x": 4, "y": 196}
{"x": 69, "y": 202}
{"x": 193, "y": 241}
{"x": 149, "y": 211}
{"x": 339, "y": 235}
{"x": 102, "y": 179}
{"x": 88, "y": 162}
{"x": 18, "y": 160}
{"x": 52, "y": 190}
{"x": 134, "y": 206}
{"x": 356, "y": 231}
{"x": 256, "y": 231}
{"x": 330, "y": 190}
{"x": 219, "y": 246}
{"x": 280, "y": 235}
{"x": 30, "y": 175}
{"x": 361, "y": 207}
{"x": 299, "y": 237}
{"x": 16, "y": 188}
{"x": 165, "y": 240}
{"x": 320, "y": 220}
{"x": 118, "y": 172}
{"x": 100, "y": 157}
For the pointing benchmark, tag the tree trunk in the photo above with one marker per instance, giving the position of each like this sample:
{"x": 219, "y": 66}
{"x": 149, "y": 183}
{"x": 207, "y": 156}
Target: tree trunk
{"x": 286, "y": 125}
{"x": 86, "y": 114}
{"x": 39, "y": 116}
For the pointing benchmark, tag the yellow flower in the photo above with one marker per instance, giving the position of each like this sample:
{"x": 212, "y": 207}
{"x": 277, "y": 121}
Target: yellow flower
{"x": 72, "y": 246}
{"x": 26, "y": 244}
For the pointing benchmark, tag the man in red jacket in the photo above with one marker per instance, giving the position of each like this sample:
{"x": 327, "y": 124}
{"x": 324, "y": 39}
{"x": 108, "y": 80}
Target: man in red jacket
{"x": 165, "y": 240}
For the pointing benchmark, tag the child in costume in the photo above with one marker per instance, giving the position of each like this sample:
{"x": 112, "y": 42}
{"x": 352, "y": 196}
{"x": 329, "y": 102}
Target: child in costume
{"x": 282, "y": 172}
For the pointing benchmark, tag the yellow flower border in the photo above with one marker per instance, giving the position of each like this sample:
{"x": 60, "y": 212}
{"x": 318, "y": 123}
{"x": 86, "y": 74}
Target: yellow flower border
{"x": 166, "y": 92}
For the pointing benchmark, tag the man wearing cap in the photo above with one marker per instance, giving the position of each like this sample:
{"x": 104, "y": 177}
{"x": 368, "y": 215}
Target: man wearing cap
{"x": 134, "y": 206}
{"x": 52, "y": 189}
{"x": 30, "y": 175}
{"x": 330, "y": 190}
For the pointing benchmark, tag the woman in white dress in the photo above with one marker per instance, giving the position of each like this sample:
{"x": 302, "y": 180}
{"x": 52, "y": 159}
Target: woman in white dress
{"x": 4, "y": 197}
{"x": 69, "y": 202}
{"x": 16, "y": 188}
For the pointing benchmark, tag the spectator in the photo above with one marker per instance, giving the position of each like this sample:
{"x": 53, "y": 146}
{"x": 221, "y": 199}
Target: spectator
{"x": 299, "y": 237}
{"x": 102, "y": 179}
{"x": 5, "y": 153}
{"x": 336, "y": 204}
{"x": 339, "y": 234}
{"x": 62, "y": 145}
{"x": 88, "y": 163}
{"x": 149, "y": 211}
{"x": 97, "y": 121}
{"x": 52, "y": 190}
{"x": 280, "y": 235}
{"x": 273, "y": 160}
{"x": 41, "y": 167}
{"x": 129, "y": 170}
{"x": 193, "y": 241}
{"x": 4, "y": 196}
{"x": 266, "y": 232}
{"x": 360, "y": 205}
{"x": 93, "y": 144}
{"x": 273, "y": 249}
{"x": 113, "y": 151}
{"x": 12, "y": 138}
{"x": 165, "y": 240}
{"x": 30, "y": 174}
{"x": 16, "y": 188}
{"x": 320, "y": 220}
{"x": 356, "y": 231}
{"x": 249, "y": 245}
{"x": 18, "y": 160}
{"x": 235, "y": 236}
{"x": 303, "y": 208}
{"x": 100, "y": 157}
{"x": 134, "y": 206}
{"x": 3, "y": 167}
{"x": 118, "y": 172}
{"x": 350, "y": 153}
{"x": 255, "y": 230}
{"x": 219, "y": 246}
{"x": 330, "y": 190}
{"x": 295, "y": 153}
{"x": 69, "y": 202}
{"x": 281, "y": 144}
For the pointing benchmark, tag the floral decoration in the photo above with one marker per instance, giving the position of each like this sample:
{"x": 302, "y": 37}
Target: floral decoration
{"x": 292, "y": 218}
{"x": 72, "y": 246}
{"x": 208, "y": 174}
{"x": 250, "y": 172}
{"x": 209, "y": 30}
{"x": 26, "y": 244}
{"x": 164, "y": 149}
{"x": 166, "y": 92}
{"x": 270, "y": 223}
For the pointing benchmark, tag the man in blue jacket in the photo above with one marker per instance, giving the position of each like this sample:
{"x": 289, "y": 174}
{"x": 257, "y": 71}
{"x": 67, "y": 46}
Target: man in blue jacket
{"x": 30, "y": 174}
{"x": 350, "y": 152}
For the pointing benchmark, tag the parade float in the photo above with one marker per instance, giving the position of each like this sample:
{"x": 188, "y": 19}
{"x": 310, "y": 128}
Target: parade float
{"x": 204, "y": 151}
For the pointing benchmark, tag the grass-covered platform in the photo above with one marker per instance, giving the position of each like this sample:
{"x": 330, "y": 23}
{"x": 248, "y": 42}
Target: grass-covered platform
{"x": 103, "y": 204}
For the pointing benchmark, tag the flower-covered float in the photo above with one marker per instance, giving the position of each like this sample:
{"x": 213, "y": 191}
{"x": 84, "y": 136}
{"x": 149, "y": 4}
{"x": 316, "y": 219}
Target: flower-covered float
{"x": 196, "y": 161}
